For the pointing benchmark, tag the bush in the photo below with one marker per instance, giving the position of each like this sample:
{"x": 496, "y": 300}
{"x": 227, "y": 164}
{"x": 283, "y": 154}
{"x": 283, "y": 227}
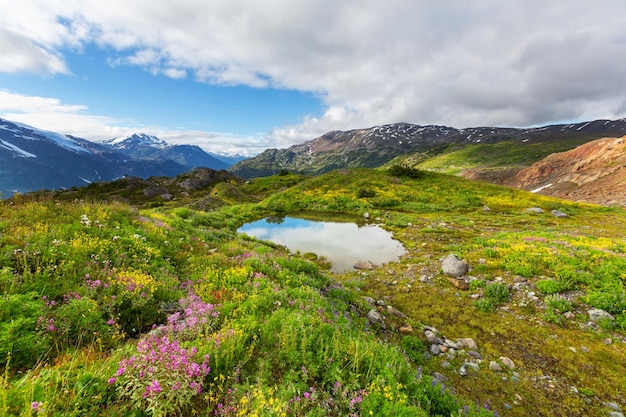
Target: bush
{"x": 406, "y": 171}
{"x": 497, "y": 292}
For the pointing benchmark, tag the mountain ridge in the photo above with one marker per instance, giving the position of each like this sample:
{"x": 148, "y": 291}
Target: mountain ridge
{"x": 377, "y": 145}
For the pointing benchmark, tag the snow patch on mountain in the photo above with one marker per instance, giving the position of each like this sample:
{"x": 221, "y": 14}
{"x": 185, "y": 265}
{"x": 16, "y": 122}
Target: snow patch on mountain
{"x": 31, "y": 133}
{"x": 20, "y": 152}
{"x": 137, "y": 139}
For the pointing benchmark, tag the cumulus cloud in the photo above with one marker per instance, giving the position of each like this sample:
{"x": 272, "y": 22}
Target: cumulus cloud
{"x": 487, "y": 62}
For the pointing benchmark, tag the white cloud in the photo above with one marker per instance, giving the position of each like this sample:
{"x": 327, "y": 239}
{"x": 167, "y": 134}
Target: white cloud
{"x": 51, "y": 114}
{"x": 487, "y": 62}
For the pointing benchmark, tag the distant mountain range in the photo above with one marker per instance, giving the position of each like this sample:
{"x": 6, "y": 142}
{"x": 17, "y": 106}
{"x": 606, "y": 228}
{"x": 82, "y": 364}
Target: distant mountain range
{"x": 378, "y": 145}
{"x": 34, "y": 159}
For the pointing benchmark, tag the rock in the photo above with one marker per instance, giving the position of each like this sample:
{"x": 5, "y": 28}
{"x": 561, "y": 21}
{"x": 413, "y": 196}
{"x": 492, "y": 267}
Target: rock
{"x": 406, "y": 329}
{"x": 495, "y": 366}
{"x": 569, "y": 315}
{"x": 166, "y": 197}
{"x": 486, "y": 208}
{"x": 573, "y": 390}
{"x": 459, "y": 283}
{"x": 616, "y": 414}
{"x": 584, "y": 349}
{"x": 607, "y": 341}
{"x": 375, "y": 317}
{"x": 537, "y": 210}
{"x": 154, "y": 190}
{"x": 474, "y": 354}
{"x": 445, "y": 365}
{"x": 453, "y": 266}
{"x": 435, "y": 350}
{"x": 596, "y": 314}
{"x": 431, "y": 337}
{"x": 439, "y": 377}
{"x": 507, "y": 362}
{"x": 449, "y": 343}
{"x": 463, "y": 370}
{"x": 396, "y": 312}
{"x": 366, "y": 215}
{"x": 560, "y": 214}
{"x": 612, "y": 406}
{"x": 365, "y": 265}
{"x": 468, "y": 343}
{"x": 472, "y": 365}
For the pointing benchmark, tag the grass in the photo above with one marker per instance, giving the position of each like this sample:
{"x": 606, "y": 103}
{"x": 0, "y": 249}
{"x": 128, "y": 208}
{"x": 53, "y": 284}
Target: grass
{"x": 83, "y": 282}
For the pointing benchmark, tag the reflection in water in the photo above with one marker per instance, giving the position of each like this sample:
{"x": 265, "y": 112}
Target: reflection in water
{"x": 343, "y": 244}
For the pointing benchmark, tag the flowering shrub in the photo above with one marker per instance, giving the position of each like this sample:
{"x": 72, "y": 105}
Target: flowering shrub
{"x": 162, "y": 378}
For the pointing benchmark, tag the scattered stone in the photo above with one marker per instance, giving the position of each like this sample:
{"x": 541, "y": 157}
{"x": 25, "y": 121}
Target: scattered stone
{"x": 573, "y": 390}
{"x": 431, "y": 337}
{"x": 515, "y": 379}
{"x": 559, "y": 213}
{"x": 365, "y": 265}
{"x": 584, "y": 349}
{"x": 572, "y": 348}
{"x": 508, "y": 406}
{"x": 475, "y": 296}
{"x": 473, "y": 366}
{"x": 406, "y": 329}
{"x": 424, "y": 278}
{"x": 166, "y": 197}
{"x": 449, "y": 343}
{"x": 453, "y": 266}
{"x": 608, "y": 341}
{"x": 612, "y": 406}
{"x": 396, "y": 312}
{"x": 486, "y": 208}
{"x": 375, "y": 317}
{"x": 616, "y": 414}
{"x": 381, "y": 303}
{"x": 495, "y": 366}
{"x": 435, "y": 349}
{"x": 468, "y": 342}
{"x": 431, "y": 328}
{"x": 569, "y": 315}
{"x": 439, "y": 377}
{"x": 463, "y": 370}
{"x": 366, "y": 215}
{"x": 537, "y": 210}
{"x": 474, "y": 354}
{"x": 507, "y": 362}
{"x": 459, "y": 283}
{"x": 596, "y": 314}
{"x": 519, "y": 279}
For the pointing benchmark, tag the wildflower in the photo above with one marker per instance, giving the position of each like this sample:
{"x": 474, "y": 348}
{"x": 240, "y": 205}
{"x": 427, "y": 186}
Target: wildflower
{"x": 111, "y": 322}
{"x": 111, "y": 381}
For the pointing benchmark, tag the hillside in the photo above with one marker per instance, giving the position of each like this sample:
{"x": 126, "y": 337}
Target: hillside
{"x": 594, "y": 172}
{"x": 112, "y": 309}
{"x": 378, "y": 145}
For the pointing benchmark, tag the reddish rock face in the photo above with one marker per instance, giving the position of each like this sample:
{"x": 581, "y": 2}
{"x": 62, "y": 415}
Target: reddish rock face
{"x": 594, "y": 172}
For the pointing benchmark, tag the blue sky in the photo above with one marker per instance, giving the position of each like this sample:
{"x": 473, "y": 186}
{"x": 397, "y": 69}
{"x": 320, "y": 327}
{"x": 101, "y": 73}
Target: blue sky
{"x": 241, "y": 76}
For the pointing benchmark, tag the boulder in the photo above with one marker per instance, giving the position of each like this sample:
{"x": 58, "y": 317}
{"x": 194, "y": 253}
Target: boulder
{"x": 453, "y": 266}
{"x": 596, "y": 314}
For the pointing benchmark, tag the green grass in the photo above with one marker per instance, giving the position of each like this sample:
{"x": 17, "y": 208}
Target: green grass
{"x": 81, "y": 282}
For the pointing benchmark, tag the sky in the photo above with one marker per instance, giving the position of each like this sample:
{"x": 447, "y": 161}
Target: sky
{"x": 242, "y": 76}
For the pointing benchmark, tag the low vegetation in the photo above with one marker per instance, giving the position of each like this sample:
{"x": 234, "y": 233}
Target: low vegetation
{"x": 113, "y": 309}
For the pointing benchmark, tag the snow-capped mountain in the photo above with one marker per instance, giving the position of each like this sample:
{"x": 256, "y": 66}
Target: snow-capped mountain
{"x": 136, "y": 141}
{"x": 141, "y": 145}
{"x": 35, "y": 159}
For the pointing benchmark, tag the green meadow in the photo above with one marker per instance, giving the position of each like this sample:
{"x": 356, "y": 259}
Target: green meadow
{"x": 145, "y": 308}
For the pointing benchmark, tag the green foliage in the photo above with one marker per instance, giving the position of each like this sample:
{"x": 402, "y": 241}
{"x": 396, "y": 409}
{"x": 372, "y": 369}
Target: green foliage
{"x": 406, "y": 171}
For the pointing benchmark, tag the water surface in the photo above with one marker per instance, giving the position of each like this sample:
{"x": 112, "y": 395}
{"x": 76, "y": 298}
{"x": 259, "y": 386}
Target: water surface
{"x": 343, "y": 244}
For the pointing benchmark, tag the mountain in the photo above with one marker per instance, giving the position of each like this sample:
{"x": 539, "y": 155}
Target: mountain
{"x": 594, "y": 172}
{"x": 35, "y": 159}
{"x": 378, "y": 145}
{"x": 145, "y": 146}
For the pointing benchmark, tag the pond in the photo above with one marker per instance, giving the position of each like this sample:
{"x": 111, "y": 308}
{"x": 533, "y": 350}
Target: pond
{"x": 343, "y": 244}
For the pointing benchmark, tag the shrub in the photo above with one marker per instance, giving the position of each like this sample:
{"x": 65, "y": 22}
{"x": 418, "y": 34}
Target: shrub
{"x": 162, "y": 378}
{"x": 406, "y": 171}
{"x": 497, "y": 292}
{"x": 558, "y": 303}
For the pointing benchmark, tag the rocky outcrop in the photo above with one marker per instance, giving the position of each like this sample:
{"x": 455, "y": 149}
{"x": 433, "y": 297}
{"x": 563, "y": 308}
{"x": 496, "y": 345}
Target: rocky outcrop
{"x": 593, "y": 172}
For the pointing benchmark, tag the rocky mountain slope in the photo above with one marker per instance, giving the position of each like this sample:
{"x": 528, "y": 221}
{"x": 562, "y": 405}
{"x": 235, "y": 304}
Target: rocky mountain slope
{"x": 594, "y": 172}
{"x": 377, "y": 145}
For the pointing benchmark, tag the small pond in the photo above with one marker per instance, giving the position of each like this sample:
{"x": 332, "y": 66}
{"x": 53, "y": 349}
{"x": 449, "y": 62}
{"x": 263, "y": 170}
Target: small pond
{"x": 343, "y": 244}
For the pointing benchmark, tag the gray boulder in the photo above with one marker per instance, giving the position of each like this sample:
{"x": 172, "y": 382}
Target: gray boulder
{"x": 453, "y": 266}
